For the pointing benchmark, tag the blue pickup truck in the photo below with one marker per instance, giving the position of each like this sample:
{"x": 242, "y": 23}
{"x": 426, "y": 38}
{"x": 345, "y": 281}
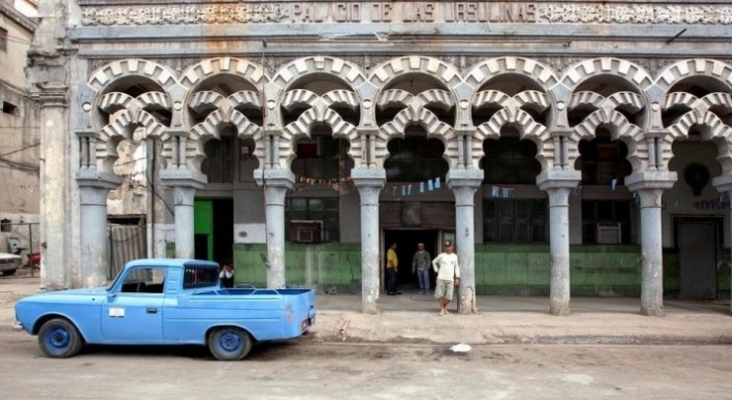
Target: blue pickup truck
{"x": 166, "y": 302}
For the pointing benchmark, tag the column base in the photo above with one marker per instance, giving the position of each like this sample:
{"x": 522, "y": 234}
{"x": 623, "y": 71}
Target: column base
{"x": 652, "y": 311}
{"x": 559, "y": 310}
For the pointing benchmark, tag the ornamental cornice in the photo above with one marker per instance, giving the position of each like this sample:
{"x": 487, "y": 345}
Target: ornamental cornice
{"x": 407, "y": 12}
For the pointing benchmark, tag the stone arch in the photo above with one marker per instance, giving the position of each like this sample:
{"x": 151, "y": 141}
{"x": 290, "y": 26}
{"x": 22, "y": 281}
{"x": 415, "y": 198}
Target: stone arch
{"x": 681, "y": 70}
{"x": 624, "y": 131}
{"x": 627, "y": 70}
{"x": 512, "y": 113}
{"x": 319, "y": 112}
{"x": 532, "y": 69}
{"x": 226, "y": 113}
{"x": 226, "y": 108}
{"x": 344, "y": 70}
{"x": 700, "y": 113}
{"x": 108, "y": 74}
{"x": 385, "y": 72}
{"x": 427, "y": 120}
{"x": 197, "y": 73}
{"x": 133, "y": 114}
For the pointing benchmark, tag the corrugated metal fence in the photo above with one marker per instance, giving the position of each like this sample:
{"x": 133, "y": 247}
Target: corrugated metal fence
{"x": 126, "y": 242}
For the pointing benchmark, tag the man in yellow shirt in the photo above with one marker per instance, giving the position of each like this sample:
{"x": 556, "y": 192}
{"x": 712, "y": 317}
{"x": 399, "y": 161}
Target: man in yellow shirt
{"x": 392, "y": 267}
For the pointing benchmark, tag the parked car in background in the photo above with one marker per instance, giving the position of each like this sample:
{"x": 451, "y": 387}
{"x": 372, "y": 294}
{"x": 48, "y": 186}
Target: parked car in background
{"x": 9, "y": 263}
{"x": 166, "y": 302}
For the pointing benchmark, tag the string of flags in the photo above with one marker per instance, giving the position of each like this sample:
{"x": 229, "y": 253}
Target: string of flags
{"x": 405, "y": 190}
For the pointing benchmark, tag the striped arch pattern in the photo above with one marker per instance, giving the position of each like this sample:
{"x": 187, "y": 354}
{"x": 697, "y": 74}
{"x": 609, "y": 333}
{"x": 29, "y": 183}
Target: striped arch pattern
{"x": 607, "y": 113}
{"x": 460, "y": 91}
{"x": 512, "y": 113}
{"x": 703, "y": 111}
{"x": 227, "y": 111}
{"x": 320, "y": 111}
{"x": 132, "y": 115}
{"x": 416, "y": 113}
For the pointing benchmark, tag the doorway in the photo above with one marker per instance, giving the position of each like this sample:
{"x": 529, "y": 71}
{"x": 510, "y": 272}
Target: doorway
{"x": 214, "y": 229}
{"x": 698, "y": 242}
{"x": 407, "y": 240}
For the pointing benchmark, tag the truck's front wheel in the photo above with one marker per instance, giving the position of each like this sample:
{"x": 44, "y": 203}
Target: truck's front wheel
{"x": 59, "y": 338}
{"x": 229, "y": 343}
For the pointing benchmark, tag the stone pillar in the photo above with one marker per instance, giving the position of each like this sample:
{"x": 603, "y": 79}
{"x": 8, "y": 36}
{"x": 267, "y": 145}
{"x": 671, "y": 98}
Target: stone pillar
{"x": 276, "y": 183}
{"x": 559, "y": 184}
{"x": 650, "y": 186}
{"x": 724, "y": 185}
{"x": 369, "y": 183}
{"x": 183, "y": 184}
{"x": 464, "y": 183}
{"x": 94, "y": 187}
{"x": 54, "y": 181}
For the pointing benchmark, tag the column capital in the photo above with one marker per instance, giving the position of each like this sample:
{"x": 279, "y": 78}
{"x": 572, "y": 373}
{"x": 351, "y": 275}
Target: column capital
{"x": 558, "y": 178}
{"x": 464, "y": 178}
{"x": 183, "y": 178}
{"x": 723, "y": 183}
{"x": 275, "y": 177}
{"x": 50, "y": 95}
{"x": 97, "y": 179}
{"x": 650, "y": 180}
{"x": 368, "y": 177}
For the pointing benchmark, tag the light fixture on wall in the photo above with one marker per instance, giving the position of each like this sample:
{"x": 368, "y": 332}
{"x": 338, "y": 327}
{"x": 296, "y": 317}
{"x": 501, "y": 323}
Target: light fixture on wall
{"x": 697, "y": 176}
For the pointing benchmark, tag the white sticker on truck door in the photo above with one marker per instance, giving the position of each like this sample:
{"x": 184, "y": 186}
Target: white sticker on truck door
{"x": 116, "y": 312}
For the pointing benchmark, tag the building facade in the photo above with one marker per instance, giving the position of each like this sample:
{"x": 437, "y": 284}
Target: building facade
{"x": 579, "y": 147}
{"x": 20, "y": 144}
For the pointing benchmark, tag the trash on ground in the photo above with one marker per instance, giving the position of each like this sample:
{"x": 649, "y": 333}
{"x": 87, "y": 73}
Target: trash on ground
{"x": 461, "y": 348}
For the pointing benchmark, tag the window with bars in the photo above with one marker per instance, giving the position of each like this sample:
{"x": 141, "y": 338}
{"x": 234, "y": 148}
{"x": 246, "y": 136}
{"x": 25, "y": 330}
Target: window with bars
{"x": 518, "y": 221}
{"x": 599, "y": 214}
{"x": 321, "y": 209}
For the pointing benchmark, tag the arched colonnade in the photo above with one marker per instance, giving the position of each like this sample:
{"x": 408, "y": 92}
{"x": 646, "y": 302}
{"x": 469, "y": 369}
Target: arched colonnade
{"x": 184, "y": 110}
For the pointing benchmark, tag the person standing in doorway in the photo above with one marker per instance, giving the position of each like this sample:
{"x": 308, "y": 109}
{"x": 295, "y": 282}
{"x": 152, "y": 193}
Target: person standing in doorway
{"x": 392, "y": 267}
{"x": 448, "y": 276}
{"x": 421, "y": 266}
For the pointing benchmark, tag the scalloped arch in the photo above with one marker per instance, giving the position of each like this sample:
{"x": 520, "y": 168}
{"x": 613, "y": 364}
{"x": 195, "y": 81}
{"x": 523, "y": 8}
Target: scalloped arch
{"x": 624, "y": 131}
{"x": 425, "y": 118}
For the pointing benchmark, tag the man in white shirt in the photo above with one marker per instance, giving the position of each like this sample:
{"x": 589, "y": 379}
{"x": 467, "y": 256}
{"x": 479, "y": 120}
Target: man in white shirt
{"x": 448, "y": 276}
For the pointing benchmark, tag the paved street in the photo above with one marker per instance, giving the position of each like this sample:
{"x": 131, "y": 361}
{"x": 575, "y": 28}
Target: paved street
{"x": 404, "y": 353}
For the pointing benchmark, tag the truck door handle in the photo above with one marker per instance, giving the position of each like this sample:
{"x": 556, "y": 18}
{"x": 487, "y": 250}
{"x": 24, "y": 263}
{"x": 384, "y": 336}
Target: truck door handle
{"x": 152, "y": 310}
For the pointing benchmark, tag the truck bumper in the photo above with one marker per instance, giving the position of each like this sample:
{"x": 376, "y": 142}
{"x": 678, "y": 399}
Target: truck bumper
{"x": 17, "y": 326}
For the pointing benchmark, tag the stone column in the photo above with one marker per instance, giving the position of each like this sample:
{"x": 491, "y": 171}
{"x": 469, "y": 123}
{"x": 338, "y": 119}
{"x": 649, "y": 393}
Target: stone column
{"x": 94, "y": 187}
{"x": 369, "y": 183}
{"x": 276, "y": 183}
{"x": 558, "y": 184}
{"x": 464, "y": 183}
{"x": 54, "y": 181}
{"x": 650, "y": 186}
{"x": 183, "y": 184}
{"x": 724, "y": 185}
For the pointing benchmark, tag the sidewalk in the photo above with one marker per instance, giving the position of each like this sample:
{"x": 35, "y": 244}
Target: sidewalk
{"x": 412, "y": 318}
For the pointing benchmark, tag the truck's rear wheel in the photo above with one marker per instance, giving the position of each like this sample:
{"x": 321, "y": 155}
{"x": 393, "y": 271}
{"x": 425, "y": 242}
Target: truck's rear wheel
{"x": 59, "y": 338}
{"x": 229, "y": 343}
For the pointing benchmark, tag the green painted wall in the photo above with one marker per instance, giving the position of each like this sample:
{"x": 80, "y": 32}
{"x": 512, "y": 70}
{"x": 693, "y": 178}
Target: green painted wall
{"x": 598, "y": 271}
{"x": 203, "y": 221}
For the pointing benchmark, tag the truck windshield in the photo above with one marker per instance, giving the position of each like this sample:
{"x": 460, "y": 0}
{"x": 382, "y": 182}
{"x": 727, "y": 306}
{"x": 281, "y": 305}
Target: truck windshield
{"x": 196, "y": 276}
